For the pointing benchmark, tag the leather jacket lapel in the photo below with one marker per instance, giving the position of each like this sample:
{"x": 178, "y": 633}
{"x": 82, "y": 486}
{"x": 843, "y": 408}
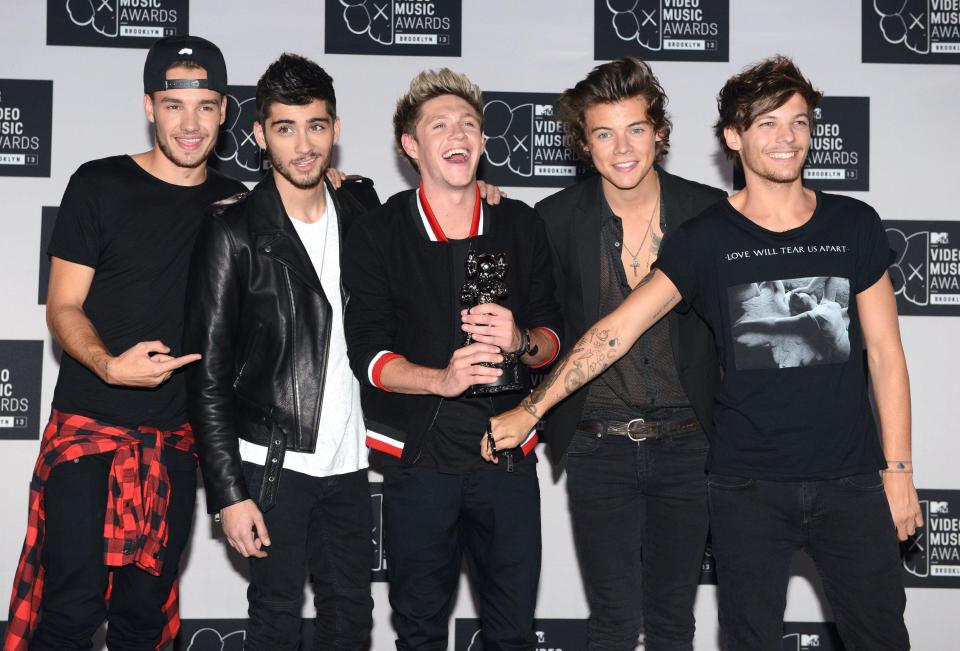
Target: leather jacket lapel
{"x": 276, "y": 237}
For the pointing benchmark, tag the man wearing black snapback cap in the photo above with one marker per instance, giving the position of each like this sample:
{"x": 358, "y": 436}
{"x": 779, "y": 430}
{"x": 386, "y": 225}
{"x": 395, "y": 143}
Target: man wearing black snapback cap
{"x": 112, "y": 496}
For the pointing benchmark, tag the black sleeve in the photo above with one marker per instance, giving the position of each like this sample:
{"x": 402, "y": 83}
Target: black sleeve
{"x": 77, "y": 233}
{"x": 874, "y": 255}
{"x": 678, "y": 260}
{"x": 370, "y": 320}
{"x": 556, "y": 261}
{"x": 211, "y": 315}
{"x": 543, "y": 310}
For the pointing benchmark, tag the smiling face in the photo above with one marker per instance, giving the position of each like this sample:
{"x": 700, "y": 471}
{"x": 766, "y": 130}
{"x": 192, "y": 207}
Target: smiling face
{"x": 299, "y": 140}
{"x": 621, "y": 141}
{"x": 775, "y": 145}
{"x": 186, "y": 121}
{"x": 447, "y": 142}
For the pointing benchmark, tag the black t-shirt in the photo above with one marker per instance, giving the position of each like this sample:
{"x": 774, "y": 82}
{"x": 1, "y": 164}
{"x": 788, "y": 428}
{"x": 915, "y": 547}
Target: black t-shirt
{"x": 782, "y": 306}
{"x": 453, "y": 443}
{"x": 137, "y": 233}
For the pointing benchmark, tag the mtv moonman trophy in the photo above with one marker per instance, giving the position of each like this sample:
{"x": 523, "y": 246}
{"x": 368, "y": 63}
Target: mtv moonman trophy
{"x": 486, "y": 273}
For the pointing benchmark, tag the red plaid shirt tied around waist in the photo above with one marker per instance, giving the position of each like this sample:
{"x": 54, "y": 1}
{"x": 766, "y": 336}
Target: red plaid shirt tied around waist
{"x": 135, "y": 528}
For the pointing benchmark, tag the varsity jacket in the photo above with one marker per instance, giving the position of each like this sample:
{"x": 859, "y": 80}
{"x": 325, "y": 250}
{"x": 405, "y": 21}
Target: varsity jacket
{"x": 399, "y": 274}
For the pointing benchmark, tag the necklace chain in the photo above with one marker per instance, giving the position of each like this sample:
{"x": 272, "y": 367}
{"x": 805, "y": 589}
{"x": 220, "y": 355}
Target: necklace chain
{"x": 635, "y": 263}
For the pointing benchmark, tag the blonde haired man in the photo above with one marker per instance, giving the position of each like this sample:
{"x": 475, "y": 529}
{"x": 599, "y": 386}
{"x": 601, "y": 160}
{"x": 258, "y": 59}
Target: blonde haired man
{"x": 405, "y": 330}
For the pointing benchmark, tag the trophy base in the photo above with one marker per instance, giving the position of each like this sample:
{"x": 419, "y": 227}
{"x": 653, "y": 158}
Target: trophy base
{"x": 508, "y": 382}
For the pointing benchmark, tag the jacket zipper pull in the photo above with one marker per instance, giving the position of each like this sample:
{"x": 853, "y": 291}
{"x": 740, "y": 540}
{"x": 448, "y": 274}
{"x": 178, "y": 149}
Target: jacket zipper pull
{"x": 509, "y": 455}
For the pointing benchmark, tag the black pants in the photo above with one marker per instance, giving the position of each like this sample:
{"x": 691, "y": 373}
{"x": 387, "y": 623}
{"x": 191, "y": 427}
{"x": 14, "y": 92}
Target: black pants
{"x": 639, "y": 515}
{"x": 430, "y": 519}
{"x": 845, "y": 526}
{"x": 73, "y": 605}
{"x": 324, "y": 524}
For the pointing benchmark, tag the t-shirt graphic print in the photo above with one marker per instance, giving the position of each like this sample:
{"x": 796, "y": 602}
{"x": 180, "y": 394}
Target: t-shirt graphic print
{"x": 790, "y": 323}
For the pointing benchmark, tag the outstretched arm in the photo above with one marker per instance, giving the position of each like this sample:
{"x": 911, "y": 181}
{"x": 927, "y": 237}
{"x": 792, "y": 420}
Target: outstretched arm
{"x": 604, "y": 343}
{"x": 891, "y": 388}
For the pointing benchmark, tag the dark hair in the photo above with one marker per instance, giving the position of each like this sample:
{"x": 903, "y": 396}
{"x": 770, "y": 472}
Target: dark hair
{"x": 189, "y": 64}
{"x": 613, "y": 82}
{"x": 296, "y": 80}
{"x": 759, "y": 89}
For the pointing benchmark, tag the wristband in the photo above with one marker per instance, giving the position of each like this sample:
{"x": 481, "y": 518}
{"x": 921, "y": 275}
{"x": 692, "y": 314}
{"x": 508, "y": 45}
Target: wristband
{"x": 525, "y": 344}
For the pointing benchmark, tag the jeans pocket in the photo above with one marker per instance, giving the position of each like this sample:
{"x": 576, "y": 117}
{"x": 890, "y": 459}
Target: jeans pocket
{"x": 583, "y": 444}
{"x": 869, "y": 481}
{"x": 729, "y": 482}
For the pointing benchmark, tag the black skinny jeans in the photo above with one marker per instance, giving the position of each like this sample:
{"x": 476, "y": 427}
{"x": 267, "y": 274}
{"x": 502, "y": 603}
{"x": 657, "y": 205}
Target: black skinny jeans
{"x": 639, "y": 515}
{"x": 73, "y": 605}
{"x": 324, "y": 524}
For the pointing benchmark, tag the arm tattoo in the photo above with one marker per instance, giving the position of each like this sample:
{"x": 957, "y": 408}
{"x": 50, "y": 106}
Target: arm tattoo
{"x": 660, "y": 310}
{"x": 529, "y": 408}
{"x": 590, "y": 357}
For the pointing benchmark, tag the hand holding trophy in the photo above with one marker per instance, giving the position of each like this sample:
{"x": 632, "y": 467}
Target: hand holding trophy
{"x": 485, "y": 283}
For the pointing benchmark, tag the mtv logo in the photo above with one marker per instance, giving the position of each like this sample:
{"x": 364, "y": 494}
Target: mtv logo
{"x": 939, "y": 238}
{"x": 543, "y": 110}
{"x": 541, "y": 637}
{"x": 817, "y": 113}
{"x": 939, "y": 508}
{"x": 810, "y": 640}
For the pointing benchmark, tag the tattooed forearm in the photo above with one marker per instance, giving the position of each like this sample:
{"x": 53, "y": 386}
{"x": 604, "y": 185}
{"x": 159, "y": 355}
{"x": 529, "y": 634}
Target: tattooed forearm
{"x": 528, "y": 407}
{"x": 666, "y": 306}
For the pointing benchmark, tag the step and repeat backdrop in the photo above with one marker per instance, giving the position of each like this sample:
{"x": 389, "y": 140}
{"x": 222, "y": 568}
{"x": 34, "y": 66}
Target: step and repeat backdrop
{"x": 887, "y": 132}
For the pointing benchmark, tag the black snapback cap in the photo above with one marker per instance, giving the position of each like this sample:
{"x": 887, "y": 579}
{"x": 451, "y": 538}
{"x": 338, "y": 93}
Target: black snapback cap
{"x": 167, "y": 51}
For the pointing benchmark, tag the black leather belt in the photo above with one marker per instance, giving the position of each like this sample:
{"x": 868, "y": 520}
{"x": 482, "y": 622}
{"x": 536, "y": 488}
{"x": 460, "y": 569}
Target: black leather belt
{"x": 639, "y": 429}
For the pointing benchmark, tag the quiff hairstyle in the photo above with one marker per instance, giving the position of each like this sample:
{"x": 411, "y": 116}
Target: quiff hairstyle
{"x": 424, "y": 87}
{"x": 759, "y": 89}
{"x": 610, "y": 83}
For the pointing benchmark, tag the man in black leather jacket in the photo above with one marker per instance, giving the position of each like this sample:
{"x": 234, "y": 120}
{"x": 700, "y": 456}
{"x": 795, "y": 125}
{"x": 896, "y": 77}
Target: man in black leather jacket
{"x": 275, "y": 406}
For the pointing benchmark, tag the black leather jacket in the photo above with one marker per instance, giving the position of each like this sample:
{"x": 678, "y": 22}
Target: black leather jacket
{"x": 257, "y": 313}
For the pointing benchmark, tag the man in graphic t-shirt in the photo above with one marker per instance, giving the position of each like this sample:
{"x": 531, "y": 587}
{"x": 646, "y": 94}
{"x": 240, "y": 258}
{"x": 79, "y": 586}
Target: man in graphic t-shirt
{"x": 118, "y": 272}
{"x": 795, "y": 462}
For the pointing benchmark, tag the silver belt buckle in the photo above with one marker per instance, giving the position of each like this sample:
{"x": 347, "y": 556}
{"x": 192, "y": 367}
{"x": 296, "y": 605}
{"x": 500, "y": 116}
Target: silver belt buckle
{"x": 629, "y": 435}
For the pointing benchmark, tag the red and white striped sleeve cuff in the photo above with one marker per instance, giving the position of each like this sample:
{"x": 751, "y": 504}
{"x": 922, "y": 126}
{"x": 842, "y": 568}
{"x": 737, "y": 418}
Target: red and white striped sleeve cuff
{"x": 556, "y": 345}
{"x": 375, "y": 368}
{"x": 530, "y": 442}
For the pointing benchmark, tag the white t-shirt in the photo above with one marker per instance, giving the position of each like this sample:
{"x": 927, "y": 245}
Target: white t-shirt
{"x": 340, "y": 439}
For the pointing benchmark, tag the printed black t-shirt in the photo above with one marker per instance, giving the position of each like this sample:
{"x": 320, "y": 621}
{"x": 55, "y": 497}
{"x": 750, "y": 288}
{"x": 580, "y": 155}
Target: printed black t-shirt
{"x": 137, "y": 233}
{"x": 793, "y": 404}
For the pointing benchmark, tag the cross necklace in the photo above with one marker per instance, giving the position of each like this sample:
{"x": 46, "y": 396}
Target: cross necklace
{"x": 635, "y": 263}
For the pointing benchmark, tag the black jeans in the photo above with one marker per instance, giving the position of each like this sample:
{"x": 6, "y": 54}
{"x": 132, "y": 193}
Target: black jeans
{"x": 845, "y": 526}
{"x": 639, "y": 515}
{"x": 324, "y": 524}
{"x": 430, "y": 519}
{"x": 73, "y": 605}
